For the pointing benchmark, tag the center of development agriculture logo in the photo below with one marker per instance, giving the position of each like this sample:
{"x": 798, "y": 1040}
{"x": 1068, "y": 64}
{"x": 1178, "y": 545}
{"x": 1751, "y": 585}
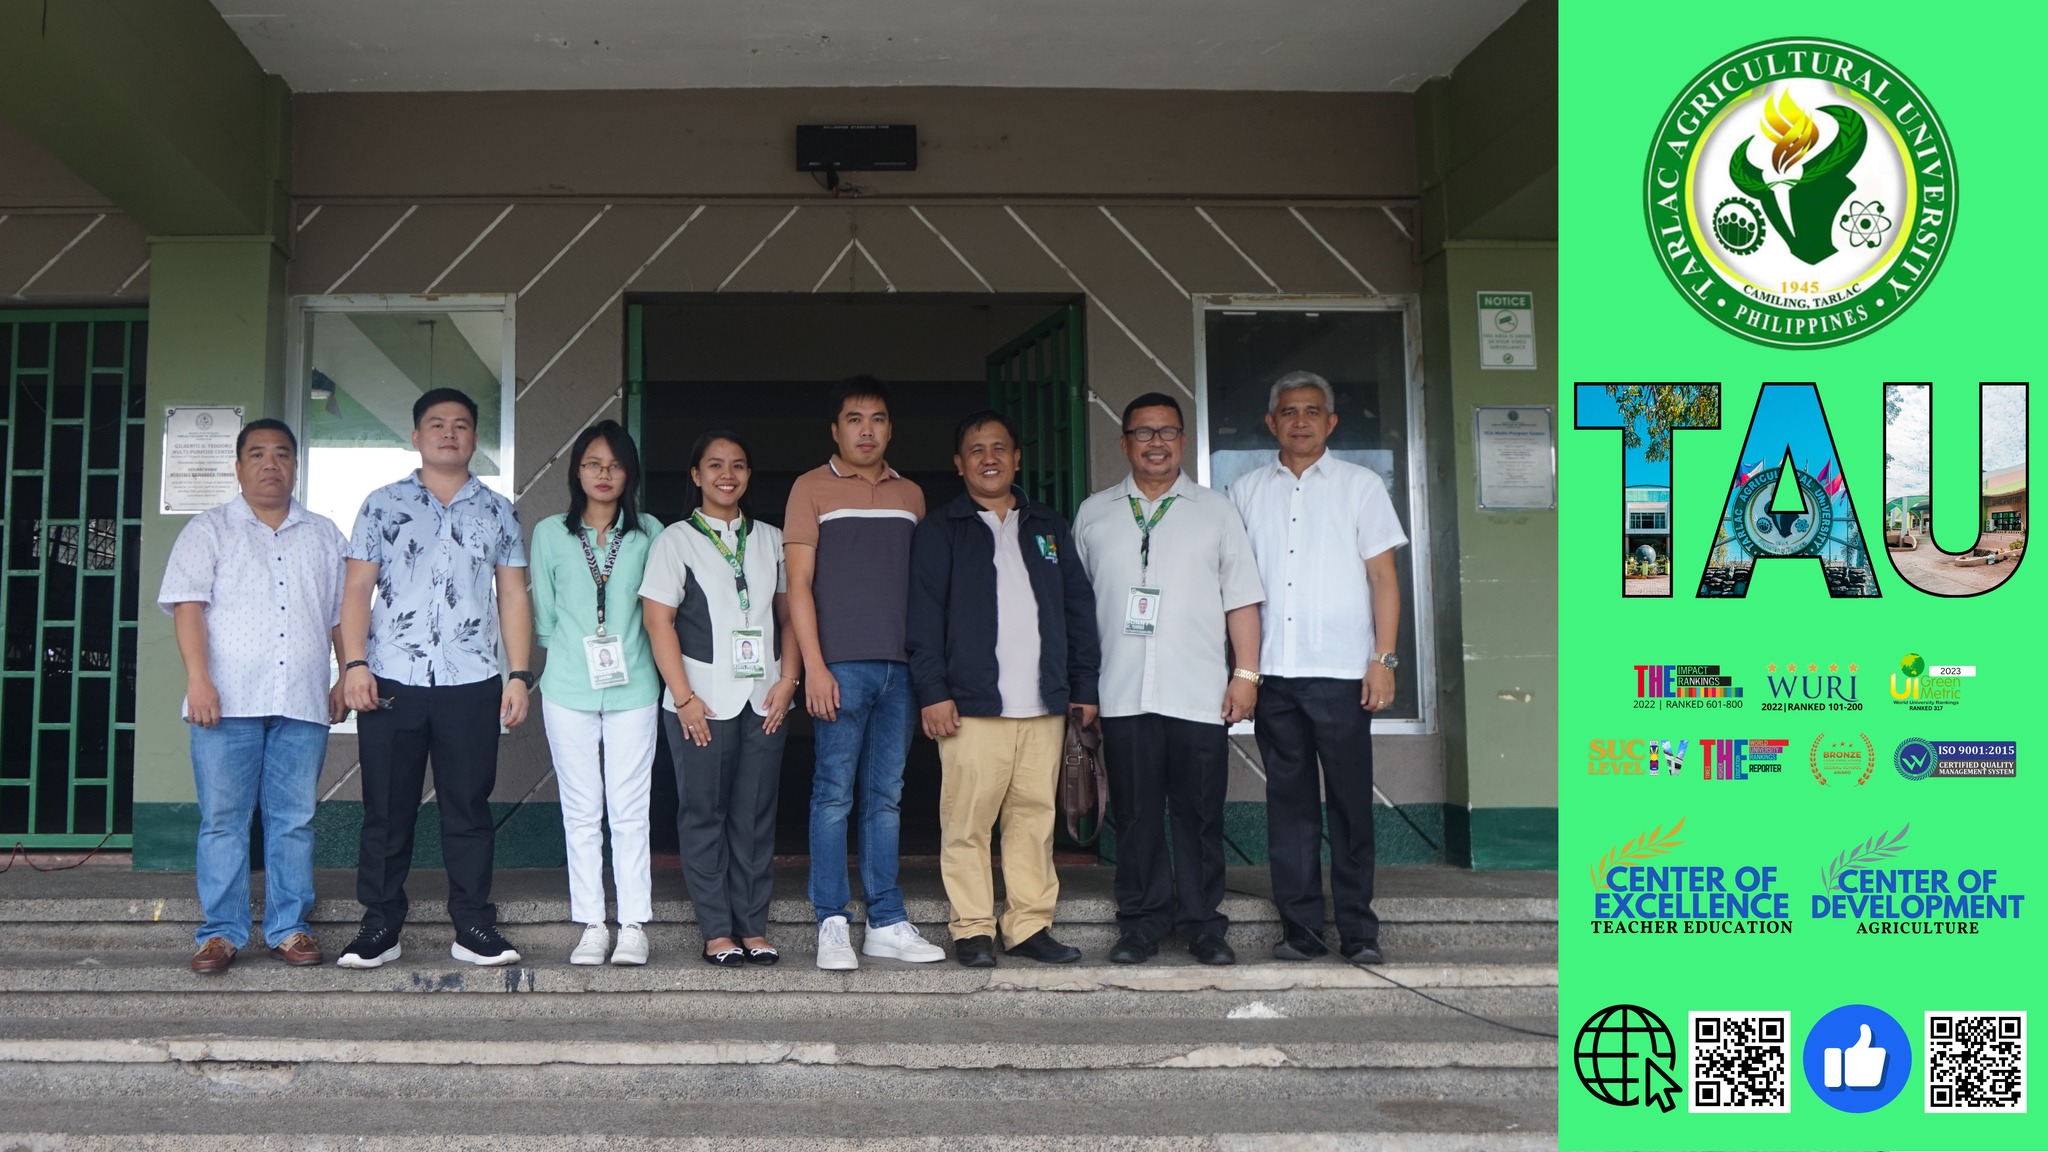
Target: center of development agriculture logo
{"x": 1800, "y": 193}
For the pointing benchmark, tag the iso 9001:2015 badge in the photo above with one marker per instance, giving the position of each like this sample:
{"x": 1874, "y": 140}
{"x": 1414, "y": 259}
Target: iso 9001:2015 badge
{"x": 1800, "y": 193}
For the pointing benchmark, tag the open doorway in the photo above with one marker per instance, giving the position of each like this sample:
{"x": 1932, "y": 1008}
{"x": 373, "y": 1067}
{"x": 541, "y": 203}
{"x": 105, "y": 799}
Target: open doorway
{"x": 762, "y": 365}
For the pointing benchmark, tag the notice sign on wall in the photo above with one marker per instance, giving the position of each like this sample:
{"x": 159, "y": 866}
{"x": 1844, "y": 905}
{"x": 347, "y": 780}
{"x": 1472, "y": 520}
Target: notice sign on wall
{"x": 199, "y": 457}
{"x": 1507, "y": 330}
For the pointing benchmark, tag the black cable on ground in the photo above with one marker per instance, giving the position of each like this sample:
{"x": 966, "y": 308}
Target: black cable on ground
{"x": 20, "y": 852}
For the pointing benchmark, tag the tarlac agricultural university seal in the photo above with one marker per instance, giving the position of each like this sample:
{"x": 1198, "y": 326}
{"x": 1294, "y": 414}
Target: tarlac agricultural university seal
{"x": 1800, "y": 193}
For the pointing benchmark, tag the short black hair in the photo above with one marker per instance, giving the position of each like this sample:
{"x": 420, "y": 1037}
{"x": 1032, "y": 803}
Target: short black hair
{"x": 1152, "y": 400}
{"x": 266, "y": 424}
{"x": 434, "y": 396}
{"x": 986, "y": 416}
{"x": 857, "y": 388}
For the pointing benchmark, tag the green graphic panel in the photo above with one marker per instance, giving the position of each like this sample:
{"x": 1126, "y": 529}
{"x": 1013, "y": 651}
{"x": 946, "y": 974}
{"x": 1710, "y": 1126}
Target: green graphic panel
{"x": 1798, "y": 793}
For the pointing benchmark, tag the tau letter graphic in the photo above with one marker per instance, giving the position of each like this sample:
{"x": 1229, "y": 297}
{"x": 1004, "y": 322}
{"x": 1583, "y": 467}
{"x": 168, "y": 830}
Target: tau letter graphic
{"x": 1788, "y": 501}
{"x": 1994, "y": 553}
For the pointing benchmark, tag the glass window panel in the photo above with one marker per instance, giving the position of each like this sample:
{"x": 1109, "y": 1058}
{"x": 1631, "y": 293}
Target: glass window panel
{"x": 14, "y": 809}
{"x": 124, "y": 778}
{"x": 17, "y": 727}
{"x": 60, "y": 582}
{"x": 24, "y": 622}
{"x": 107, "y": 426}
{"x": 90, "y": 810}
{"x": 66, "y": 472}
{"x": 24, "y": 521}
{"x": 6, "y": 353}
{"x": 31, "y": 412}
{"x": 68, "y": 402}
{"x": 1363, "y": 356}
{"x": 131, "y": 570}
{"x": 124, "y": 675}
{"x": 138, "y": 370}
{"x": 109, "y": 344}
{"x": 96, "y": 625}
{"x": 34, "y": 340}
{"x": 131, "y": 484}
{"x": 53, "y": 782}
{"x": 56, "y": 678}
{"x": 94, "y": 727}
{"x": 365, "y": 370}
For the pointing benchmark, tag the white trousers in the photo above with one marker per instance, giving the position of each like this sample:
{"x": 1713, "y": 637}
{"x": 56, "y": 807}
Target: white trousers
{"x": 604, "y": 768}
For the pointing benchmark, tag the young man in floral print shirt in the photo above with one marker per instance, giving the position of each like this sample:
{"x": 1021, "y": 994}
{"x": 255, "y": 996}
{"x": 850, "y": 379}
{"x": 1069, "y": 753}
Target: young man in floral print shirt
{"x": 436, "y": 572}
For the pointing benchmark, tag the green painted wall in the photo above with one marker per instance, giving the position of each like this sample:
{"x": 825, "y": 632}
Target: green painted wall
{"x": 1487, "y": 139}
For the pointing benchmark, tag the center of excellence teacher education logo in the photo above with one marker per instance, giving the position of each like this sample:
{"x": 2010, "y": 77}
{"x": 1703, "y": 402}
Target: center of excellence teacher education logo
{"x": 1800, "y": 192}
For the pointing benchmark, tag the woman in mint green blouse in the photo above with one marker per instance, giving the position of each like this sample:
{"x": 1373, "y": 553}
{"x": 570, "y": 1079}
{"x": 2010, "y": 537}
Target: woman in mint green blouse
{"x": 600, "y": 688}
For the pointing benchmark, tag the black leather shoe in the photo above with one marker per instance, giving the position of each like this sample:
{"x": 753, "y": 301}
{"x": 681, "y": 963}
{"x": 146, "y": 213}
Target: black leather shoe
{"x": 1364, "y": 952}
{"x": 1132, "y": 950}
{"x": 975, "y": 952}
{"x": 1040, "y": 946}
{"x": 1211, "y": 949}
{"x": 1299, "y": 946}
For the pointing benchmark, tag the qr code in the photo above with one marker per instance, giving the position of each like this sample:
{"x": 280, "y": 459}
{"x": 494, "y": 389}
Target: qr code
{"x": 1739, "y": 1062}
{"x": 1976, "y": 1062}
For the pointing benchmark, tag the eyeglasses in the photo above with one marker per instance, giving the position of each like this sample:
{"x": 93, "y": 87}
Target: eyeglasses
{"x": 1145, "y": 435}
{"x": 598, "y": 468}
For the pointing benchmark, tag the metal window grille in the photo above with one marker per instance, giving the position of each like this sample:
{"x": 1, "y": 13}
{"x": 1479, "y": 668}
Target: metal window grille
{"x": 1039, "y": 381}
{"x": 71, "y": 538}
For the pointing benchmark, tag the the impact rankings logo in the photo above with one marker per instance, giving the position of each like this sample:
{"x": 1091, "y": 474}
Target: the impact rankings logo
{"x": 1800, "y": 193}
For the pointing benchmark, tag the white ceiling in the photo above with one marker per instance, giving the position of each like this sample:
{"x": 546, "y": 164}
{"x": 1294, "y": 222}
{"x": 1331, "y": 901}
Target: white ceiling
{"x": 510, "y": 45}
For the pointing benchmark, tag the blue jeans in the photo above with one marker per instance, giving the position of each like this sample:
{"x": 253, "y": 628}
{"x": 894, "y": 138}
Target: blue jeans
{"x": 245, "y": 761}
{"x": 865, "y": 745}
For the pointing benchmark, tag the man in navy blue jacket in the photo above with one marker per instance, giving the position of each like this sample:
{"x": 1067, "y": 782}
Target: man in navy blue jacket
{"x": 1002, "y": 646}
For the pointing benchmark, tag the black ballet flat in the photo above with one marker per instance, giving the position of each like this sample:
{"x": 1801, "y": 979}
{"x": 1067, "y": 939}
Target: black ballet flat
{"x": 726, "y": 958}
{"x": 766, "y": 955}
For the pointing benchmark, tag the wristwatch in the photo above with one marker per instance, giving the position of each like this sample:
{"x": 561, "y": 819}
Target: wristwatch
{"x": 523, "y": 676}
{"x": 1387, "y": 660}
{"x": 1247, "y": 674}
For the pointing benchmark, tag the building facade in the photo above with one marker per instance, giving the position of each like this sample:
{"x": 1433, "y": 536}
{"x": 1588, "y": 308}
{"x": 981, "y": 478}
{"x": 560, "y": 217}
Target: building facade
{"x": 209, "y": 237}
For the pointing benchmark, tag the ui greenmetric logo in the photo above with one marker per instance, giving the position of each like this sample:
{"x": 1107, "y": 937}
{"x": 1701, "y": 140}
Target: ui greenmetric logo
{"x": 1800, "y": 193}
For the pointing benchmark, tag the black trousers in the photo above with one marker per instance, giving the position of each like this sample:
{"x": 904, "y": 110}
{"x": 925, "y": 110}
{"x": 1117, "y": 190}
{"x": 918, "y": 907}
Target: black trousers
{"x": 1161, "y": 768}
{"x": 725, "y": 820}
{"x": 457, "y": 727}
{"x": 1303, "y": 720}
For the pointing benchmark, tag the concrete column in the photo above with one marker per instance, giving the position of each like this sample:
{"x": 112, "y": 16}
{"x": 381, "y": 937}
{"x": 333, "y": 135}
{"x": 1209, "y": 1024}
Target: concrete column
{"x": 216, "y": 336}
{"x": 1495, "y": 572}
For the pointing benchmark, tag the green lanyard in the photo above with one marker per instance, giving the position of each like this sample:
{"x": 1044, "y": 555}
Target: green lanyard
{"x": 1145, "y": 527}
{"x": 738, "y": 561}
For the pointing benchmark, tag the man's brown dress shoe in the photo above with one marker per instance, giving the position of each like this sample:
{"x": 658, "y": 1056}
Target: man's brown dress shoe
{"x": 299, "y": 950}
{"x": 213, "y": 956}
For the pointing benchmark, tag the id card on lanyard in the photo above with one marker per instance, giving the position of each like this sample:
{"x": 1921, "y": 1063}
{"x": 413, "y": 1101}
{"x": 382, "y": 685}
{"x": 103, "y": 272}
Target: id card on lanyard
{"x": 1141, "y": 610}
{"x": 749, "y": 644}
{"x": 604, "y": 655}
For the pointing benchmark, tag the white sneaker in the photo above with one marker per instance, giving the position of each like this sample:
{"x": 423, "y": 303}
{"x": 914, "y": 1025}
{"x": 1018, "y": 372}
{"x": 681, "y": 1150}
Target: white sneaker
{"x": 632, "y": 947}
{"x": 900, "y": 941}
{"x": 592, "y": 948}
{"x": 835, "y": 951}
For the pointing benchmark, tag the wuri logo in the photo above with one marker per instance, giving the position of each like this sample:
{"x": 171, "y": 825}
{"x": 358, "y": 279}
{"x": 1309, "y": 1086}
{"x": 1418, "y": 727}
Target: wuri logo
{"x": 1811, "y": 683}
{"x": 1800, "y": 193}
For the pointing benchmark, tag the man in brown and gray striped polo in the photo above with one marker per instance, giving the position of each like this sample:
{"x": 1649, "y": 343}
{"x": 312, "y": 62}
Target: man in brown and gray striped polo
{"x": 846, "y": 539}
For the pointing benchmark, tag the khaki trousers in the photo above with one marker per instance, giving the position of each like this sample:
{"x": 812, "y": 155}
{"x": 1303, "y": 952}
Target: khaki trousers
{"x": 1009, "y": 769}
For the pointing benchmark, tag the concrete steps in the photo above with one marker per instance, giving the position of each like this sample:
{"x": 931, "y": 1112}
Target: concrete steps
{"x": 106, "y": 1041}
